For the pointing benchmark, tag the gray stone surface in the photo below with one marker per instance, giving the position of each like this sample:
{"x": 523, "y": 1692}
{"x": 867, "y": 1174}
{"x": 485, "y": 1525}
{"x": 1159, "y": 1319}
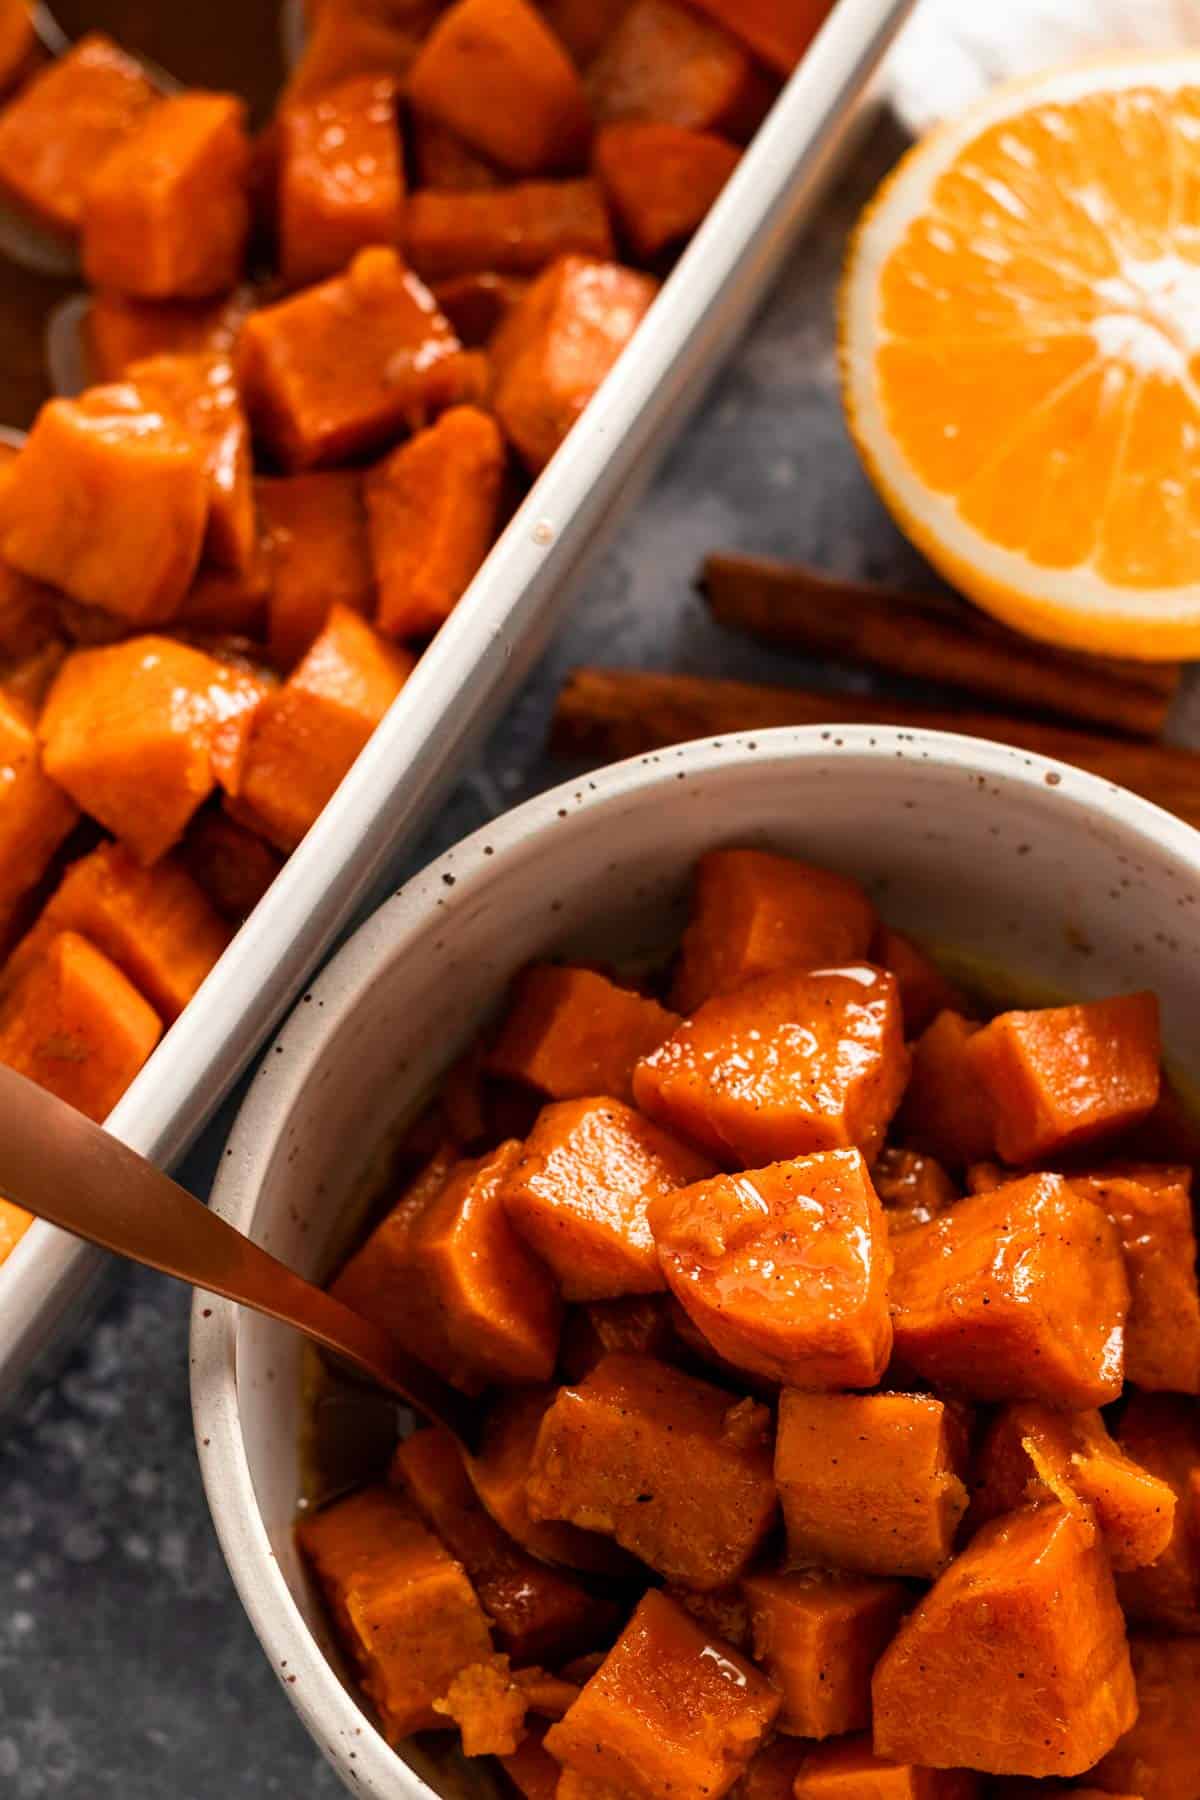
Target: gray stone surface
{"x": 127, "y": 1670}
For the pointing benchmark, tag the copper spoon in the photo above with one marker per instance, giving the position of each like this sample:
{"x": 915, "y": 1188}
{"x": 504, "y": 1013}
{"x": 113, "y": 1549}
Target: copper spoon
{"x": 59, "y": 1165}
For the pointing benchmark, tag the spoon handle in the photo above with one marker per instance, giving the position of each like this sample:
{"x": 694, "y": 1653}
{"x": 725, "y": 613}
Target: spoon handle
{"x": 59, "y": 1165}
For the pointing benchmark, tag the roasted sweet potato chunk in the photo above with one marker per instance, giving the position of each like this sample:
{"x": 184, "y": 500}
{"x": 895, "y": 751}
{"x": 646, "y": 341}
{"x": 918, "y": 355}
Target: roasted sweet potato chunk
{"x": 754, "y": 913}
{"x": 669, "y": 1712}
{"x": 516, "y": 230}
{"x": 198, "y": 394}
{"x": 665, "y": 64}
{"x": 1151, "y": 1207}
{"x": 307, "y": 733}
{"x": 574, "y": 1034}
{"x": 494, "y": 72}
{"x": 1015, "y": 1662}
{"x": 660, "y": 181}
{"x": 1159, "y": 1758}
{"x": 784, "y": 1269}
{"x": 777, "y": 31}
{"x": 76, "y": 1026}
{"x": 871, "y": 1482}
{"x": 36, "y": 815}
{"x": 818, "y": 1637}
{"x": 794, "y": 1062}
{"x": 403, "y": 1607}
{"x": 913, "y": 1187}
{"x": 119, "y": 330}
{"x": 344, "y": 368}
{"x": 1067, "y": 1075}
{"x": 341, "y": 177}
{"x": 317, "y": 555}
{"x": 924, "y": 990}
{"x": 58, "y": 130}
{"x": 1019, "y": 1294}
{"x": 432, "y": 508}
{"x": 1161, "y": 1432}
{"x": 557, "y": 345}
{"x": 580, "y": 1192}
{"x": 677, "y": 1471}
{"x": 947, "y": 1111}
{"x": 850, "y": 1770}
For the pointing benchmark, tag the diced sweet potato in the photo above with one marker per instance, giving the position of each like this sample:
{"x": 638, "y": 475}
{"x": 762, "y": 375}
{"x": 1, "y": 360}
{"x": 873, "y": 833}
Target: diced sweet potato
{"x": 1033, "y": 1452}
{"x": 777, "y": 31}
{"x": 924, "y": 990}
{"x": 664, "y": 64}
{"x": 167, "y": 214}
{"x": 574, "y": 1034}
{"x": 584, "y": 26}
{"x": 487, "y": 1706}
{"x": 1067, "y": 1075}
{"x": 675, "y": 1470}
{"x": 516, "y": 230}
{"x": 36, "y": 815}
{"x": 1159, "y": 1758}
{"x": 341, "y": 177}
{"x": 580, "y": 1192}
{"x": 348, "y": 38}
{"x": 344, "y": 368}
{"x": 784, "y": 1269}
{"x": 432, "y": 510}
{"x": 557, "y": 345}
{"x": 109, "y": 502}
{"x": 441, "y": 159}
{"x": 660, "y": 180}
{"x": 131, "y": 730}
{"x": 818, "y": 1637}
{"x": 155, "y": 924}
{"x": 62, "y": 125}
{"x": 538, "y": 1614}
{"x": 404, "y": 1610}
{"x": 871, "y": 1482}
{"x": 307, "y": 734}
{"x": 947, "y": 1111}
{"x": 317, "y": 555}
{"x": 478, "y": 304}
{"x": 14, "y": 1223}
{"x": 198, "y": 394}
{"x": 793, "y": 1062}
{"x": 850, "y": 1770}
{"x": 1020, "y": 1294}
{"x": 532, "y": 1770}
{"x": 233, "y": 866}
{"x": 637, "y": 1322}
{"x": 76, "y": 1026}
{"x": 494, "y": 73}
{"x": 118, "y": 330}
{"x": 670, "y": 1712}
{"x": 1151, "y": 1207}
{"x": 913, "y": 1187}
{"x": 1161, "y": 1432}
{"x": 754, "y": 913}
{"x": 1015, "y": 1662}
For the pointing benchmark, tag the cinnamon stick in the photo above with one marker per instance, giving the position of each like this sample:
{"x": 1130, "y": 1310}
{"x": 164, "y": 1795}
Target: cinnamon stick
{"x": 938, "y": 639}
{"x": 607, "y": 713}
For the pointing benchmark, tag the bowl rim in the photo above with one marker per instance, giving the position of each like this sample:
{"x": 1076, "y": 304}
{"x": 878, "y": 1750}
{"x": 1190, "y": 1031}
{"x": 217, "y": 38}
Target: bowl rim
{"x": 330, "y": 1712}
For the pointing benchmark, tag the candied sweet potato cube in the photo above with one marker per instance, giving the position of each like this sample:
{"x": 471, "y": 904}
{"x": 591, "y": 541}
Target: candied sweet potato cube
{"x": 947, "y": 1111}
{"x": 1159, "y": 1757}
{"x": 1016, "y": 1661}
{"x": 494, "y": 72}
{"x": 317, "y": 555}
{"x": 76, "y": 1026}
{"x": 1151, "y": 1207}
{"x": 167, "y": 213}
{"x": 660, "y": 181}
{"x": 574, "y": 1034}
{"x": 404, "y": 1611}
{"x": 663, "y": 63}
{"x": 477, "y": 304}
{"x": 375, "y": 1279}
{"x": 784, "y": 1269}
{"x": 36, "y": 815}
{"x": 557, "y": 345}
{"x": 794, "y": 1062}
{"x": 198, "y": 394}
{"x": 1066, "y": 1075}
{"x": 669, "y": 1712}
{"x": 63, "y": 124}
{"x": 871, "y": 1482}
{"x": 850, "y": 1770}
{"x": 675, "y": 1470}
{"x": 345, "y": 367}
{"x": 1161, "y": 1432}
{"x": 109, "y": 502}
{"x": 754, "y": 913}
{"x": 777, "y": 31}
{"x": 230, "y": 864}
{"x": 538, "y": 1614}
{"x": 119, "y": 330}
{"x": 913, "y": 1187}
{"x": 350, "y": 37}
{"x": 924, "y": 990}
{"x": 487, "y": 1706}
{"x": 1019, "y": 1294}
{"x": 818, "y": 1637}
{"x": 341, "y": 177}
{"x": 516, "y": 230}
{"x": 1033, "y": 1452}
{"x": 432, "y": 511}
{"x": 579, "y": 1195}
{"x": 306, "y": 734}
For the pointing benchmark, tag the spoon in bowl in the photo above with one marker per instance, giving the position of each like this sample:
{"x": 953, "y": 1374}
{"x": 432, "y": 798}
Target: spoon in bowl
{"x": 60, "y": 1166}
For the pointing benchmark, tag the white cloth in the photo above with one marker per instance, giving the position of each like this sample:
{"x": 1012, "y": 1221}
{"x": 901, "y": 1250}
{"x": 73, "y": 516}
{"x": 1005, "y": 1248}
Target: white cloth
{"x": 954, "y": 50}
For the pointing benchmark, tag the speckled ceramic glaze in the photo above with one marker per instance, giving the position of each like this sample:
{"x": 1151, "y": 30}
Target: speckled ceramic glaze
{"x": 1030, "y": 866}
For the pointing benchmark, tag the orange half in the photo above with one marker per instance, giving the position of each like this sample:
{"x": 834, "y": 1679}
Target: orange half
{"x": 1020, "y": 334}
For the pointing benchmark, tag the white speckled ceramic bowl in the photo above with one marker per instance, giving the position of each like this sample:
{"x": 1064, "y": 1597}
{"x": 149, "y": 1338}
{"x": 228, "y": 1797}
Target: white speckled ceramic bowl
{"x": 1031, "y": 866}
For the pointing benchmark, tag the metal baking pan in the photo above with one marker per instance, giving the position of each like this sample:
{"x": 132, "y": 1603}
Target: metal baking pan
{"x": 481, "y": 654}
